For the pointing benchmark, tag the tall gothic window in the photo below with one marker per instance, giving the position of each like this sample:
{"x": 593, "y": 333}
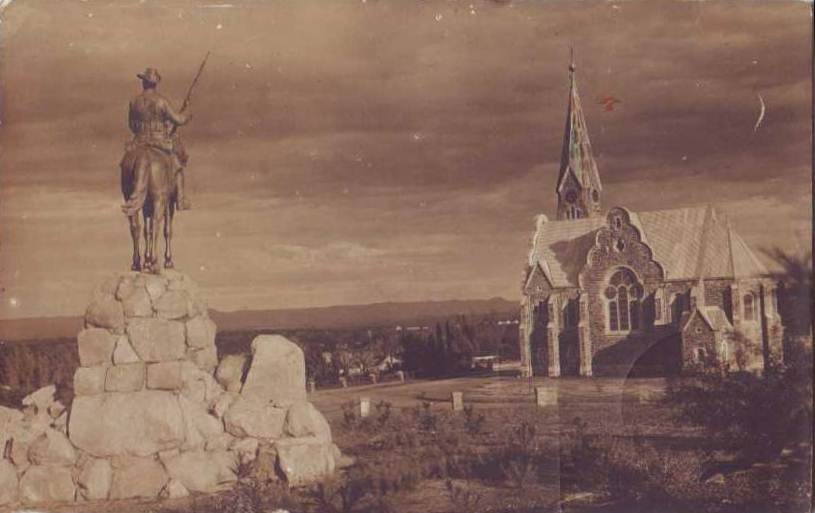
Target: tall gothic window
{"x": 623, "y": 302}
{"x": 749, "y": 307}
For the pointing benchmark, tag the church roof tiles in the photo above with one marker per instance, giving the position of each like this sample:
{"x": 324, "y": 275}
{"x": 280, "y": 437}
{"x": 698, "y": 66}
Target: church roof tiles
{"x": 686, "y": 242}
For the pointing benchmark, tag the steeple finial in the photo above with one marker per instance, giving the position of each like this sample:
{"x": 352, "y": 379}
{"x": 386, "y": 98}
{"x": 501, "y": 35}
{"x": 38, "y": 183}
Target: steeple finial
{"x": 578, "y": 185}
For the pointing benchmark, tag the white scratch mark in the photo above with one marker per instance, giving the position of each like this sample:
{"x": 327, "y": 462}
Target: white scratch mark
{"x": 760, "y": 114}
{"x": 217, "y": 6}
{"x": 438, "y": 17}
{"x": 218, "y": 26}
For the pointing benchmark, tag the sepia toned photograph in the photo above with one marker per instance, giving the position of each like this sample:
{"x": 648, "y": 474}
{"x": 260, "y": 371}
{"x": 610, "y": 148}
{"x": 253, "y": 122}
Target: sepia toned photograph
{"x": 406, "y": 256}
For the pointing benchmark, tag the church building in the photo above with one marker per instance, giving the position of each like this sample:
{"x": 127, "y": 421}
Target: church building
{"x": 621, "y": 292}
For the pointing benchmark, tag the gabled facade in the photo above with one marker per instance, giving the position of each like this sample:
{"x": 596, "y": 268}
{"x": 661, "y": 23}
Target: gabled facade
{"x": 604, "y": 293}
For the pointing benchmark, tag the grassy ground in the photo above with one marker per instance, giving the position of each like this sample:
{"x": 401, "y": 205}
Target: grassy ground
{"x": 619, "y": 408}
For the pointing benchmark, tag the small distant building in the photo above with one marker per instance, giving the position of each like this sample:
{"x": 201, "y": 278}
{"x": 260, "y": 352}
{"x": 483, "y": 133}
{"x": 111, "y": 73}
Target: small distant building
{"x": 606, "y": 292}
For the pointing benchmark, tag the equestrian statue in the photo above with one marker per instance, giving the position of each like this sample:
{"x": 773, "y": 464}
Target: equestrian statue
{"x": 153, "y": 169}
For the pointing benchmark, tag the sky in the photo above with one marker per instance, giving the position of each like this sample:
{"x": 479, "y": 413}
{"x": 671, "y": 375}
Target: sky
{"x": 360, "y": 151}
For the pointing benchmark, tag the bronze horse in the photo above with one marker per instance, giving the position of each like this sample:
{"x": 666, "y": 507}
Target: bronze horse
{"x": 148, "y": 184}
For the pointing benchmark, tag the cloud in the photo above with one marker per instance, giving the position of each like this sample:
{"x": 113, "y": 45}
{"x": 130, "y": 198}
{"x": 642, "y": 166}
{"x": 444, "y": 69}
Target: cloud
{"x": 352, "y": 152}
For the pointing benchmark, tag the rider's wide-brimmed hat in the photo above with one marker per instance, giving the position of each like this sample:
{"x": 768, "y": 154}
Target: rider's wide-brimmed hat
{"x": 150, "y": 75}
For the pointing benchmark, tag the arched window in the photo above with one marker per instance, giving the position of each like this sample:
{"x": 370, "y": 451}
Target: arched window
{"x": 570, "y": 313}
{"x": 623, "y": 302}
{"x": 749, "y": 307}
{"x": 677, "y": 307}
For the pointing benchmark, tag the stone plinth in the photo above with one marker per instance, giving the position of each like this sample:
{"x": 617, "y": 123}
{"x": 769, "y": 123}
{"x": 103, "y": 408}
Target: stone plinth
{"x": 151, "y": 416}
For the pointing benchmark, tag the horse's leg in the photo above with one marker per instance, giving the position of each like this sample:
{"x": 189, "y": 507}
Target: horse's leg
{"x": 168, "y": 236}
{"x": 148, "y": 240}
{"x": 135, "y": 234}
{"x": 159, "y": 206}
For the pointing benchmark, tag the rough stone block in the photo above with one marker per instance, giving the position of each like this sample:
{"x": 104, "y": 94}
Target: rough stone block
{"x": 203, "y": 471}
{"x": 304, "y": 460}
{"x": 277, "y": 372}
{"x": 230, "y": 371}
{"x": 93, "y": 481}
{"x": 201, "y": 332}
{"x": 8, "y": 483}
{"x": 256, "y": 418}
{"x": 303, "y": 419}
{"x": 164, "y": 376}
{"x": 137, "y": 303}
{"x": 105, "y": 312}
{"x": 157, "y": 340}
{"x": 125, "y": 378}
{"x": 205, "y": 359}
{"x": 135, "y": 423}
{"x": 174, "y": 490}
{"x": 199, "y": 425}
{"x": 155, "y": 286}
{"x": 41, "y": 398}
{"x": 51, "y": 448}
{"x": 90, "y": 380}
{"x": 47, "y": 483}
{"x": 95, "y": 347}
{"x": 137, "y": 478}
{"x": 124, "y": 352}
{"x": 172, "y": 305}
{"x": 246, "y": 449}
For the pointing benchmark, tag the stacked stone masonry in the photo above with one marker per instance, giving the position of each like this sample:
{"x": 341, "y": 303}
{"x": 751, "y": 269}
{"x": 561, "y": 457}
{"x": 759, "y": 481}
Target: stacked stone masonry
{"x": 154, "y": 414}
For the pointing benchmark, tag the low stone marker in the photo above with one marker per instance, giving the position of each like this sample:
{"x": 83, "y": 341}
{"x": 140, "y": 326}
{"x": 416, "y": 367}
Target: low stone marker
{"x": 364, "y": 407}
{"x": 545, "y": 396}
{"x": 373, "y": 377}
{"x": 312, "y": 386}
{"x": 458, "y": 401}
{"x": 644, "y": 395}
{"x": 401, "y": 376}
{"x": 343, "y": 382}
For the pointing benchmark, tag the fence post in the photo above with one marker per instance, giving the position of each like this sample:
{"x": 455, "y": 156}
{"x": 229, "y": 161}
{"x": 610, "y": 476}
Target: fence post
{"x": 401, "y": 376}
{"x": 458, "y": 401}
{"x": 364, "y": 407}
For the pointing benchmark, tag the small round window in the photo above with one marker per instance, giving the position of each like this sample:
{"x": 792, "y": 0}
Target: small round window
{"x": 619, "y": 245}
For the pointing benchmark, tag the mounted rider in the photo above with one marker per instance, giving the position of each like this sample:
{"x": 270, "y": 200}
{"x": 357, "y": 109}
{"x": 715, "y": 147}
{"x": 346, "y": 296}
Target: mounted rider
{"x": 153, "y": 122}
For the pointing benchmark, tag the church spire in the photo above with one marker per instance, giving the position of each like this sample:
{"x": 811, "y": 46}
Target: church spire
{"x": 578, "y": 185}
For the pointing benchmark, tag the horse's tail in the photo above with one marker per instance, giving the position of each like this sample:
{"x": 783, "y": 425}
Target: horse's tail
{"x": 138, "y": 172}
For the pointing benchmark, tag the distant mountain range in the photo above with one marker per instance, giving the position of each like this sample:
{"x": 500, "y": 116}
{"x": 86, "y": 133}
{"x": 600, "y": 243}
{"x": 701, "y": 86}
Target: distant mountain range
{"x": 418, "y": 313}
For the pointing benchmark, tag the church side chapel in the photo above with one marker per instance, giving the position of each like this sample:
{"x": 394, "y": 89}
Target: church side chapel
{"x": 624, "y": 293}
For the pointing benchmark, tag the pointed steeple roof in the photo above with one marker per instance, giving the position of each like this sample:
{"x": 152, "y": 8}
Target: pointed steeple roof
{"x": 576, "y": 156}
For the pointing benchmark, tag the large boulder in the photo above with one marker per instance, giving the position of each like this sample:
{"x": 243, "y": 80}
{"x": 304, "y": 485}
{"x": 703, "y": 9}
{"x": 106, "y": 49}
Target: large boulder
{"x": 51, "y": 448}
{"x": 277, "y": 373}
{"x": 256, "y": 418}
{"x": 47, "y": 483}
{"x": 136, "y": 423}
{"x": 203, "y": 471}
{"x": 137, "y": 478}
{"x": 94, "y": 478}
{"x": 157, "y": 340}
{"x": 303, "y": 419}
{"x": 124, "y": 352}
{"x": 172, "y": 304}
{"x": 304, "y": 460}
{"x": 8, "y": 483}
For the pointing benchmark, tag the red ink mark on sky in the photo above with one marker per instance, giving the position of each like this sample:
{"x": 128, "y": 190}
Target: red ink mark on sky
{"x": 608, "y": 102}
